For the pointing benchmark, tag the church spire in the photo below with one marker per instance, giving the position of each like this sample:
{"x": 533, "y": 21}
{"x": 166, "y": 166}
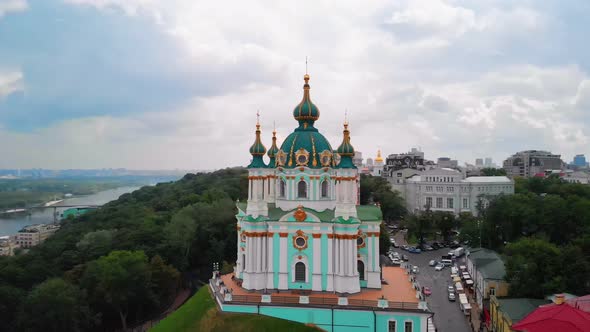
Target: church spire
{"x": 345, "y": 150}
{"x": 257, "y": 149}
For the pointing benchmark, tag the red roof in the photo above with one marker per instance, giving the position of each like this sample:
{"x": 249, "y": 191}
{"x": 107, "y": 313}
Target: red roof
{"x": 555, "y": 317}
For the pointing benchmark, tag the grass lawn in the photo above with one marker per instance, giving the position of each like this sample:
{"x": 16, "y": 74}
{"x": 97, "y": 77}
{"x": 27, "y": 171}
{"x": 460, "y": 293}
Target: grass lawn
{"x": 200, "y": 313}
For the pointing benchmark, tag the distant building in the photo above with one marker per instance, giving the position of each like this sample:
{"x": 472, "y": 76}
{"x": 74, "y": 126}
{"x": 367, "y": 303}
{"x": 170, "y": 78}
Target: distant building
{"x": 577, "y": 177}
{"x": 479, "y": 162}
{"x": 446, "y": 162}
{"x": 532, "y": 162}
{"x": 7, "y": 245}
{"x": 32, "y": 235}
{"x": 378, "y": 164}
{"x": 445, "y": 189}
{"x": 75, "y": 212}
{"x": 487, "y": 270}
{"x": 488, "y": 162}
{"x": 413, "y": 159}
{"x": 580, "y": 161}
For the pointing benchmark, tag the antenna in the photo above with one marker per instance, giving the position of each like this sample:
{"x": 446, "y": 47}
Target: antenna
{"x": 345, "y": 116}
{"x": 257, "y": 117}
{"x": 306, "y": 64}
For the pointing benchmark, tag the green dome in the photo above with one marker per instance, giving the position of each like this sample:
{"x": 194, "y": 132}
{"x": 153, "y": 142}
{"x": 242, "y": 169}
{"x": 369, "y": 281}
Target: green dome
{"x": 272, "y": 151}
{"x": 345, "y": 150}
{"x": 306, "y": 111}
{"x": 257, "y": 150}
{"x": 308, "y": 139}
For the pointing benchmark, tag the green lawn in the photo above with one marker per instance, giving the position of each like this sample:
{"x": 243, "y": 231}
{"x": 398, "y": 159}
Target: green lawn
{"x": 200, "y": 313}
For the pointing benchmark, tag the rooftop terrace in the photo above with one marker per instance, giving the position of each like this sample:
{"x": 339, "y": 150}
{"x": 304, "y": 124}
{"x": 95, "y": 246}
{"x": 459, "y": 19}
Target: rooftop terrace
{"x": 397, "y": 293}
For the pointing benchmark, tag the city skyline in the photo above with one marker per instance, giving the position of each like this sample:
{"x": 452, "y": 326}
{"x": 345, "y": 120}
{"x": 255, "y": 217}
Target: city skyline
{"x": 129, "y": 83}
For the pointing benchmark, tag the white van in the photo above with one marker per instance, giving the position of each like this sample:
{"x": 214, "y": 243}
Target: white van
{"x": 447, "y": 262}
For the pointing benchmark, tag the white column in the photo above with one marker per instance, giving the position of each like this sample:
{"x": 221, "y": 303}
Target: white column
{"x": 270, "y": 263}
{"x": 283, "y": 274}
{"x": 317, "y": 264}
{"x": 376, "y": 252}
{"x": 330, "y": 284}
{"x": 370, "y": 253}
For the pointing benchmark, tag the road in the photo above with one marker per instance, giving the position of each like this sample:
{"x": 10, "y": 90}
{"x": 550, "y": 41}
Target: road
{"x": 448, "y": 317}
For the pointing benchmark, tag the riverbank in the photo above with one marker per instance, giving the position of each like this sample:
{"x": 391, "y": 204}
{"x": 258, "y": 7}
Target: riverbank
{"x": 11, "y": 223}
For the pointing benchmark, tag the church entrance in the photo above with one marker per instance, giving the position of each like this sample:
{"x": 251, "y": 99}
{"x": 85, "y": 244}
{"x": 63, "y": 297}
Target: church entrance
{"x": 300, "y": 272}
{"x": 361, "y": 269}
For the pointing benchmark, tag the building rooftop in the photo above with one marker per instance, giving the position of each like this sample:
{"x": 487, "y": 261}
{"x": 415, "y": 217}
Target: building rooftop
{"x": 488, "y": 263}
{"x": 488, "y": 179}
{"x": 399, "y": 291}
{"x": 518, "y": 308}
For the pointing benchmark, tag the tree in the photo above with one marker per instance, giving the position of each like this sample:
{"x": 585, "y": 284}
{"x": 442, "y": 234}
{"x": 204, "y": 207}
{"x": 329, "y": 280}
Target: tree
{"x": 533, "y": 268}
{"x": 11, "y": 301}
{"x": 96, "y": 244}
{"x": 384, "y": 242}
{"x": 55, "y": 305}
{"x": 488, "y": 171}
{"x": 165, "y": 279}
{"x": 121, "y": 280}
{"x": 444, "y": 222}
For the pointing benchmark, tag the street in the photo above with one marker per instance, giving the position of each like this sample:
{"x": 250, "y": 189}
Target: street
{"x": 448, "y": 317}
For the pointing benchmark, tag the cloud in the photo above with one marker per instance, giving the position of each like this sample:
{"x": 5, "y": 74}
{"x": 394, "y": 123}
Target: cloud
{"x": 177, "y": 83}
{"x": 8, "y": 6}
{"x": 10, "y": 82}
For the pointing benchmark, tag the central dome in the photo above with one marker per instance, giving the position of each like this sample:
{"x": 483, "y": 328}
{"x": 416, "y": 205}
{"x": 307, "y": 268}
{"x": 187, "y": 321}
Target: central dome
{"x": 306, "y": 140}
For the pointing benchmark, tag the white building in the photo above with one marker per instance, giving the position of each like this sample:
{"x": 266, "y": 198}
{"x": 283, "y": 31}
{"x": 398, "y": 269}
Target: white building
{"x": 32, "y": 235}
{"x": 577, "y": 177}
{"x": 445, "y": 189}
{"x": 378, "y": 164}
{"x": 7, "y": 245}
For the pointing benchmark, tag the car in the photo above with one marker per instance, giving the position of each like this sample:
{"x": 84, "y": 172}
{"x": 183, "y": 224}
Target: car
{"x": 450, "y": 289}
{"x": 405, "y": 258}
{"x": 427, "y": 291}
{"x": 451, "y": 253}
{"x": 395, "y": 245}
{"x": 455, "y": 244}
{"x": 454, "y": 270}
{"x": 432, "y": 263}
{"x": 417, "y": 251}
{"x": 439, "y": 267}
{"x": 405, "y": 247}
{"x": 435, "y": 245}
{"x": 396, "y": 261}
{"x": 427, "y": 247}
{"x": 452, "y": 297}
{"x": 415, "y": 269}
{"x": 395, "y": 254}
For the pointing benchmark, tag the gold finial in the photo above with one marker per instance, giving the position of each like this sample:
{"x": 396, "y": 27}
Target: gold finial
{"x": 258, "y": 119}
{"x": 306, "y": 76}
{"x": 274, "y": 129}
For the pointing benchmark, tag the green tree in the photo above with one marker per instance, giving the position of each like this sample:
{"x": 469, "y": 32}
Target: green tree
{"x": 164, "y": 280}
{"x": 11, "y": 298}
{"x": 444, "y": 222}
{"x": 121, "y": 281}
{"x": 384, "y": 242}
{"x": 55, "y": 305}
{"x": 96, "y": 244}
{"x": 488, "y": 171}
{"x": 533, "y": 268}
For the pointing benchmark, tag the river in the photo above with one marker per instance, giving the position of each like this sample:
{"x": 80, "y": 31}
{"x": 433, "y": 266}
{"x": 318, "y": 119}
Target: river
{"x": 11, "y": 224}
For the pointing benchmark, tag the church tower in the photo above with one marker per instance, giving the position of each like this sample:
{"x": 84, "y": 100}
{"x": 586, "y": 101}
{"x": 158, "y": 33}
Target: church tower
{"x": 257, "y": 178}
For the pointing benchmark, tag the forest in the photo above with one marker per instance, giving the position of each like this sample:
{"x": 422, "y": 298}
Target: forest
{"x": 124, "y": 263}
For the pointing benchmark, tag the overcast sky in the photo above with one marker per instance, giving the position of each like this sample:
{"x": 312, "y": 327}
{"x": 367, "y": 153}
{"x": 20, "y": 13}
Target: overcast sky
{"x": 153, "y": 84}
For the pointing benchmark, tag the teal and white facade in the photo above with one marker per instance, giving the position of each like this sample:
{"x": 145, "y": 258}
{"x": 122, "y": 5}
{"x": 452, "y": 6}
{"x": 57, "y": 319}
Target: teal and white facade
{"x": 302, "y": 227}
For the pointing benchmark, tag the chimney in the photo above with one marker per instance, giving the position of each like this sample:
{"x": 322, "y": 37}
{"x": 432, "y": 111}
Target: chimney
{"x": 559, "y": 298}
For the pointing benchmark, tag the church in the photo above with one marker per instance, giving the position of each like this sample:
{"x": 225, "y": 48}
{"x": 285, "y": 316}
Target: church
{"x": 302, "y": 227}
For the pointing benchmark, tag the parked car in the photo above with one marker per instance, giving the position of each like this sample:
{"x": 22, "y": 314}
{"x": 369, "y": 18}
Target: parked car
{"x": 395, "y": 254}
{"x": 415, "y": 269}
{"x": 439, "y": 267}
{"x": 451, "y": 253}
{"x": 396, "y": 261}
{"x": 395, "y": 245}
{"x": 432, "y": 263}
{"x": 417, "y": 251}
{"x": 452, "y": 297}
{"x": 405, "y": 258}
{"x": 435, "y": 245}
{"x": 454, "y": 244}
{"x": 427, "y": 291}
{"x": 405, "y": 247}
{"x": 427, "y": 247}
{"x": 451, "y": 289}
{"x": 454, "y": 270}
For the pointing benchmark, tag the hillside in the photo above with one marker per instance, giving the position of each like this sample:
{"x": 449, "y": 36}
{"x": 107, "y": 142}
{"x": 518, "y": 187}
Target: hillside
{"x": 200, "y": 313}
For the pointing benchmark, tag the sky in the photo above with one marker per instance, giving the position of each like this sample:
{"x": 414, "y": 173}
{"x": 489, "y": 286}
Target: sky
{"x": 176, "y": 84}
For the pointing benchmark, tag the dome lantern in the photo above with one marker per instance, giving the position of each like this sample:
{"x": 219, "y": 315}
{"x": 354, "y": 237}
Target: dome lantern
{"x": 345, "y": 150}
{"x": 306, "y": 113}
{"x": 257, "y": 150}
{"x": 273, "y": 150}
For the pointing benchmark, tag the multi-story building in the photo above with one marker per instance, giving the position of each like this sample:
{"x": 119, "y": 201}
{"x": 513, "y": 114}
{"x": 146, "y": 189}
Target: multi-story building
{"x": 32, "y": 235}
{"x": 445, "y": 189}
{"x": 532, "y": 162}
{"x": 576, "y": 177}
{"x": 505, "y": 312}
{"x": 357, "y": 160}
{"x": 580, "y": 160}
{"x": 7, "y": 245}
{"x": 488, "y": 162}
{"x": 446, "y": 162}
{"x": 413, "y": 159}
{"x": 479, "y": 162}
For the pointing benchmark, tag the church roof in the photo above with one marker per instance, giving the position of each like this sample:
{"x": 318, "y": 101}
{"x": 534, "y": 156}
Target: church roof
{"x": 364, "y": 213}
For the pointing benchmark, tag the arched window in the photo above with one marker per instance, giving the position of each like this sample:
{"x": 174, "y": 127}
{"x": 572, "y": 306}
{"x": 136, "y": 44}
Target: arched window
{"x": 325, "y": 188}
{"x": 361, "y": 268}
{"x": 282, "y": 188}
{"x": 244, "y": 262}
{"x": 302, "y": 189}
{"x": 300, "y": 272}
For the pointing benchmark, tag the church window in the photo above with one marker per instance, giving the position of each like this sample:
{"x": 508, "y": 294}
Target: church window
{"x": 408, "y": 327}
{"x": 244, "y": 261}
{"x": 282, "y": 188}
{"x": 391, "y": 327}
{"x": 359, "y": 241}
{"x": 465, "y": 203}
{"x": 300, "y": 272}
{"x": 302, "y": 189}
{"x": 361, "y": 268}
{"x": 300, "y": 241}
{"x": 325, "y": 188}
